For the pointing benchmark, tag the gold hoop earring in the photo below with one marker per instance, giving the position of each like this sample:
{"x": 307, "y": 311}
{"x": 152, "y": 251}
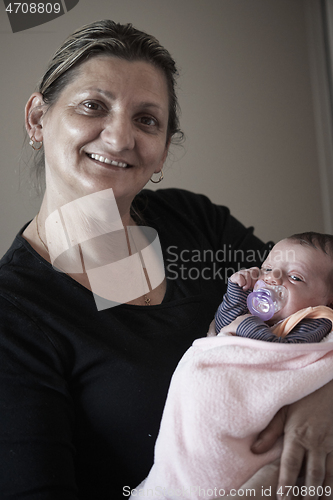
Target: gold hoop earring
{"x": 159, "y": 179}
{"x": 32, "y": 143}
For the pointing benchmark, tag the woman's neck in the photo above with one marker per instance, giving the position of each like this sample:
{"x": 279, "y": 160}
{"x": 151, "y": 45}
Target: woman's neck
{"x": 91, "y": 235}
{"x": 62, "y": 225}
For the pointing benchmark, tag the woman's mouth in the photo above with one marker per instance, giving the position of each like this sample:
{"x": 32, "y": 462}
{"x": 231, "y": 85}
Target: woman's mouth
{"x": 102, "y": 159}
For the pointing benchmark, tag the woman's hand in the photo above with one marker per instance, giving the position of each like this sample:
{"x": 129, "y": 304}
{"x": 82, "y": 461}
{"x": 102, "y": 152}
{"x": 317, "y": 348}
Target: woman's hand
{"x": 308, "y": 437}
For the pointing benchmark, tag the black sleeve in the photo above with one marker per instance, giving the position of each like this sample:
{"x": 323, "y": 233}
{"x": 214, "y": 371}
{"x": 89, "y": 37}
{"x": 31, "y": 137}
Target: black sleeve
{"x": 235, "y": 246}
{"x": 36, "y": 413}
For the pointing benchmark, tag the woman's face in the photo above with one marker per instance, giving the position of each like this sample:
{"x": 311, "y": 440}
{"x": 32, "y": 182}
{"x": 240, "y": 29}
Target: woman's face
{"x": 108, "y": 128}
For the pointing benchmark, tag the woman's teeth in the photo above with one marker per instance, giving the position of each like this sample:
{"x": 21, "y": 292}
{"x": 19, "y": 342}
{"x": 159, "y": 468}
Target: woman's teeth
{"x": 106, "y": 160}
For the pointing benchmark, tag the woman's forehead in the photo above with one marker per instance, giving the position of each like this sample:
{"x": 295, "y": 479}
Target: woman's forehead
{"x": 110, "y": 70}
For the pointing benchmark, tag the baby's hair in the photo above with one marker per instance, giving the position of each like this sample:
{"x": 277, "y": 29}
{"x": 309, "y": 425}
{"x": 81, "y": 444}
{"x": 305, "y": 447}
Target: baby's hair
{"x": 315, "y": 240}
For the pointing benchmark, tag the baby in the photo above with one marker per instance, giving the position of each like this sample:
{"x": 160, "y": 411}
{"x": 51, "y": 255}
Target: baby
{"x": 303, "y": 264}
{"x": 225, "y": 390}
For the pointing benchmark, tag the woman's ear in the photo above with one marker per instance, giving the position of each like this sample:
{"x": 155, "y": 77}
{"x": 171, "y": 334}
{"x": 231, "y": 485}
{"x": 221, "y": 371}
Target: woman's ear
{"x": 34, "y": 112}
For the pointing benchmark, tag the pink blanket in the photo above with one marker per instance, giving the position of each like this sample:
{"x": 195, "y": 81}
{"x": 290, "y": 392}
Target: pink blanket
{"x": 224, "y": 391}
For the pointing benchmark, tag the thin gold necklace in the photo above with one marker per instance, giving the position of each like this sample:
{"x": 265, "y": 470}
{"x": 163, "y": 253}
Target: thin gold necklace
{"x": 39, "y": 236}
{"x": 146, "y": 298}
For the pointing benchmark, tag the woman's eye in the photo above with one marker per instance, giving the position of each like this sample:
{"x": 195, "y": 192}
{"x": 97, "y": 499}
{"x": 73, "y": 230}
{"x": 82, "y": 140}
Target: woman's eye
{"x": 148, "y": 120}
{"x": 93, "y": 106}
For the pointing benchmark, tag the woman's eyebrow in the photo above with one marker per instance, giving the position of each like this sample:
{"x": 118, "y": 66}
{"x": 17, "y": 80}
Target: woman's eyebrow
{"x": 149, "y": 104}
{"x": 107, "y": 93}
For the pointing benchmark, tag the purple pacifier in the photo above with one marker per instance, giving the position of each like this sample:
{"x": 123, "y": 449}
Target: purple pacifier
{"x": 266, "y": 300}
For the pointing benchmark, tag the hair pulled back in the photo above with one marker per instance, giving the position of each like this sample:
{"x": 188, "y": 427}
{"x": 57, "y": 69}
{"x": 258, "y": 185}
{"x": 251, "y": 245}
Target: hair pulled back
{"x": 109, "y": 38}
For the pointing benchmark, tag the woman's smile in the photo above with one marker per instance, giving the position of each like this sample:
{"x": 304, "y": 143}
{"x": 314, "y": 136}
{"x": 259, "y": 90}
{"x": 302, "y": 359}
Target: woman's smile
{"x": 102, "y": 159}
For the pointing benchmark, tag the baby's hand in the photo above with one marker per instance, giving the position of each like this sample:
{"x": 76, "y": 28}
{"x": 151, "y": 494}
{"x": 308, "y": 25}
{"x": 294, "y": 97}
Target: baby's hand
{"x": 232, "y": 328}
{"x": 246, "y": 278}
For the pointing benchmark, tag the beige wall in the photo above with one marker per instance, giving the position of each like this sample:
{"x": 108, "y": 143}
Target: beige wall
{"x": 246, "y": 105}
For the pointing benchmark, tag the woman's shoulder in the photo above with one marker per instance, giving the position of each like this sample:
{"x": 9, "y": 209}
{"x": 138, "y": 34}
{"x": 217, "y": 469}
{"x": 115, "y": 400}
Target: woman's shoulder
{"x": 20, "y": 269}
{"x": 11, "y": 254}
{"x": 17, "y": 250}
{"x": 174, "y": 195}
{"x": 178, "y": 203}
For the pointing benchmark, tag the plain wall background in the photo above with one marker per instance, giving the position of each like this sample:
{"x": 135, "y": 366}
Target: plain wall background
{"x": 246, "y": 99}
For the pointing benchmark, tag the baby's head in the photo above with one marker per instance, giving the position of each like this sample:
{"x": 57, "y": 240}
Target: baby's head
{"x": 303, "y": 263}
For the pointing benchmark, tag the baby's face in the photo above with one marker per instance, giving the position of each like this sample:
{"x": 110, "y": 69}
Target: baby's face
{"x": 303, "y": 271}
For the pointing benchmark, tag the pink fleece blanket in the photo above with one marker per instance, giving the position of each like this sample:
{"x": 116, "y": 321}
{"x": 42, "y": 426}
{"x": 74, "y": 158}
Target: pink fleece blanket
{"x": 224, "y": 391}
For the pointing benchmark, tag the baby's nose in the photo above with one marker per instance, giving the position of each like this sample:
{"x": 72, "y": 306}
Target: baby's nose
{"x": 274, "y": 277}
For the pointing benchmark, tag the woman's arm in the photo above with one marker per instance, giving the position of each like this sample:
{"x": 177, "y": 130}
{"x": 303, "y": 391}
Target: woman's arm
{"x": 36, "y": 413}
{"x": 308, "y": 437}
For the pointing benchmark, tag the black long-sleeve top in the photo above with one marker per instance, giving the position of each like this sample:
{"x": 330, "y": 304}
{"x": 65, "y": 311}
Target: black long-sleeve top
{"x": 81, "y": 391}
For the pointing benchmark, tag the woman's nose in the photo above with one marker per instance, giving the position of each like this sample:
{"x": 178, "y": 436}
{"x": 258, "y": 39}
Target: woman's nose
{"x": 118, "y": 133}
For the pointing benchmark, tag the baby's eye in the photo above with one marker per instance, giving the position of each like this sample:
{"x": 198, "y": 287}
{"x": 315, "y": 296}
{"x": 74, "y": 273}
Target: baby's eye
{"x": 293, "y": 277}
{"x": 266, "y": 269}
